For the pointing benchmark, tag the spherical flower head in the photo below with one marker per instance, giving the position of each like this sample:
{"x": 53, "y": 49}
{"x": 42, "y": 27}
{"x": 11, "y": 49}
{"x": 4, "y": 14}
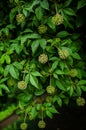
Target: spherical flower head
{"x": 22, "y": 85}
{"x": 23, "y": 126}
{"x": 43, "y": 58}
{"x": 11, "y": 82}
{"x": 63, "y": 54}
{"x": 20, "y": 18}
{"x": 73, "y": 73}
{"x": 50, "y": 89}
{"x": 57, "y": 19}
{"x": 80, "y": 101}
{"x": 49, "y": 99}
{"x": 42, "y": 29}
{"x": 41, "y": 124}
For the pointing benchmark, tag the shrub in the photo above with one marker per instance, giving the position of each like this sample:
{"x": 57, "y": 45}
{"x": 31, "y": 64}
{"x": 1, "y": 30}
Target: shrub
{"x": 41, "y": 55}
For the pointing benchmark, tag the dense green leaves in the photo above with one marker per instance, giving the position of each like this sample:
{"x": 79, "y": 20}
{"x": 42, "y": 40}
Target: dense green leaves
{"x": 41, "y": 47}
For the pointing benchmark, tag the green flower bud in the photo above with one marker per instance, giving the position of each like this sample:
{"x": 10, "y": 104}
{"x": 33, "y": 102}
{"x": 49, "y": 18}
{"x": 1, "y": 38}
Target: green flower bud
{"x": 49, "y": 99}
{"x": 63, "y": 54}
{"x": 80, "y": 101}
{"x": 20, "y": 18}
{"x": 11, "y": 82}
{"x": 41, "y": 124}
{"x": 42, "y": 29}
{"x": 43, "y": 58}
{"x": 22, "y": 85}
{"x": 73, "y": 73}
{"x": 57, "y": 19}
{"x": 23, "y": 126}
{"x": 50, "y": 89}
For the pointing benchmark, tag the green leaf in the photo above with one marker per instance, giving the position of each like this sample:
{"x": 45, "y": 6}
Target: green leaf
{"x": 39, "y": 13}
{"x": 43, "y": 43}
{"x": 34, "y": 46}
{"x": 62, "y": 65}
{"x": 62, "y": 34}
{"x": 12, "y": 14}
{"x": 71, "y": 90}
{"x": 24, "y": 39}
{"x": 78, "y": 90}
{"x": 83, "y": 88}
{"x": 60, "y": 85}
{"x": 49, "y": 114}
{"x": 36, "y": 73}
{"x": 69, "y": 11}
{"x": 50, "y": 23}
{"x": 2, "y": 59}
{"x": 67, "y": 3}
{"x": 81, "y": 3}
{"x": 3, "y": 80}
{"x": 59, "y": 101}
{"x": 54, "y": 65}
{"x": 6, "y": 31}
{"x": 82, "y": 82}
{"x": 6, "y": 71}
{"x": 76, "y": 56}
{"x": 8, "y": 59}
{"x": 52, "y": 109}
{"x": 3, "y": 86}
{"x": 33, "y": 36}
{"x": 59, "y": 72}
{"x": 45, "y": 4}
{"x": 18, "y": 65}
{"x": 40, "y": 92}
{"x": 13, "y": 72}
{"x": 34, "y": 81}
{"x": 33, "y": 112}
{"x": 27, "y": 78}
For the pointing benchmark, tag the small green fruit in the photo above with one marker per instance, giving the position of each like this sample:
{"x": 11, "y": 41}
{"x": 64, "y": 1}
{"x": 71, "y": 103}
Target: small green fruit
{"x": 11, "y": 82}
{"x": 42, "y": 29}
{"x": 41, "y": 124}
{"x": 22, "y": 85}
{"x": 49, "y": 99}
{"x": 73, "y": 73}
{"x": 50, "y": 89}
{"x": 20, "y": 18}
{"x": 23, "y": 126}
{"x": 80, "y": 101}
{"x": 43, "y": 58}
{"x": 63, "y": 54}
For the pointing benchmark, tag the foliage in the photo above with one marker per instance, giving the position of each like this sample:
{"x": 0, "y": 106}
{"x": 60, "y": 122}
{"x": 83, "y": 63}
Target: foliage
{"x": 40, "y": 46}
